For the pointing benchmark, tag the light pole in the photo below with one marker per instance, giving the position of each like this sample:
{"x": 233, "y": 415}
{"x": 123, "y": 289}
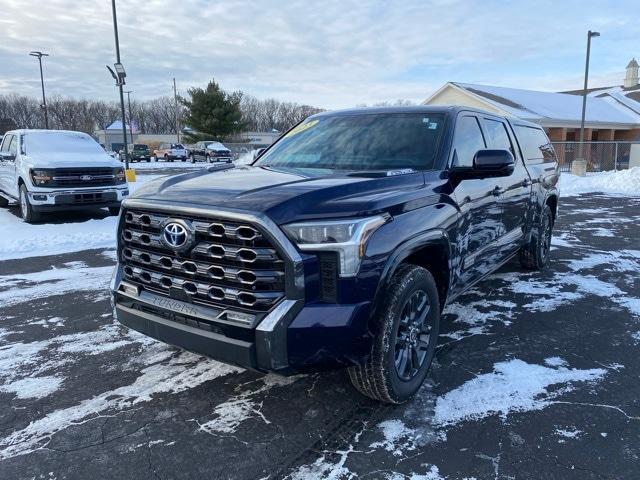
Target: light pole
{"x": 39, "y": 56}
{"x": 175, "y": 100}
{"x": 129, "y": 92}
{"x": 119, "y": 76}
{"x": 579, "y": 165}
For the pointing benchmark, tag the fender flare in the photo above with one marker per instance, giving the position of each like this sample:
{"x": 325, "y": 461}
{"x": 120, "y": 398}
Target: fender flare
{"x": 402, "y": 252}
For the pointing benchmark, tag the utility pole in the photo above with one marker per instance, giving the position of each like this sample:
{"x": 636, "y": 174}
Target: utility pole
{"x": 175, "y": 99}
{"x": 39, "y": 56}
{"x": 120, "y": 84}
{"x": 128, "y": 92}
{"x": 579, "y": 165}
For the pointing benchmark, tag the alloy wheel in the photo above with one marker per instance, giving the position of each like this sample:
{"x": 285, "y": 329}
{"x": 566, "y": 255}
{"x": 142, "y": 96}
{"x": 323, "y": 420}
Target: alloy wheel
{"x": 414, "y": 336}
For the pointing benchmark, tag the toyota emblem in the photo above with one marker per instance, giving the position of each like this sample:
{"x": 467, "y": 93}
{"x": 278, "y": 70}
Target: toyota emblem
{"x": 175, "y": 235}
{"x": 86, "y": 178}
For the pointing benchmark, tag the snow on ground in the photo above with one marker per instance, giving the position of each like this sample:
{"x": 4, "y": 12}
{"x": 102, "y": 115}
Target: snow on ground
{"x": 73, "y": 277}
{"x": 182, "y": 372}
{"x": 622, "y": 182}
{"x": 24, "y": 240}
{"x": 513, "y": 386}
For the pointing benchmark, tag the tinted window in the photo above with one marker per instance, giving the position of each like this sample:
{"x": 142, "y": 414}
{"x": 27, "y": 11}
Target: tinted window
{"x": 467, "y": 141}
{"x": 497, "y": 136}
{"x": 534, "y": 144}
{"x": 378, "y": 141}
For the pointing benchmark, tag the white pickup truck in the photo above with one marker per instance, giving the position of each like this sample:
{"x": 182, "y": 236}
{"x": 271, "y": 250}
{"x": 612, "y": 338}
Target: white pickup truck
{"x": 52, "y": 170}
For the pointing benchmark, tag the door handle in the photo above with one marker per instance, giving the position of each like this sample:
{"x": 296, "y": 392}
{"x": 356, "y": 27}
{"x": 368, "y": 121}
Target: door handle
{"x": 496, "y": 192}
{"x": 526, "y": 182}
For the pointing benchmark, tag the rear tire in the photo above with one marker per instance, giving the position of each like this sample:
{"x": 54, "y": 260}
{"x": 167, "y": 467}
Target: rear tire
{"x": 26, "y": 210}
{"x": 535, "y": 254}
{"x": 406, "y": 332}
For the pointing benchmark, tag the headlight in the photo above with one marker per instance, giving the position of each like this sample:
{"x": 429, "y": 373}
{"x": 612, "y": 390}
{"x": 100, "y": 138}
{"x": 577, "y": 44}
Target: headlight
{"x": 40, "y": 177}
{"x": 346, "y": 237}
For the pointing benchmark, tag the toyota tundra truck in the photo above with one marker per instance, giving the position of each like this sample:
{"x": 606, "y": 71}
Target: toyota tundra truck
{"x": 341, "y": 244}
{"x": 56, "y": 170}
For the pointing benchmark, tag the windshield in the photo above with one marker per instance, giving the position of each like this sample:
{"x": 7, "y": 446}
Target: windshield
{"x": 215, "y": 146}
{"x": 177, "y": 146}
{"x": 360, "y": 142}
{"x": 139, "y": 146}
{"x": 67, "y": 142}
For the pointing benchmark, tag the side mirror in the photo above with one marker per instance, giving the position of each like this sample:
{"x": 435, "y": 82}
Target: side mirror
{"x": 487, "y": 164}
{"x": 260, "y": 152}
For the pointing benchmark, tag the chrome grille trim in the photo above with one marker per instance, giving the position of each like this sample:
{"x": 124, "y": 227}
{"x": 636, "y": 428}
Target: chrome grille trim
{"x": 233, "y": 263}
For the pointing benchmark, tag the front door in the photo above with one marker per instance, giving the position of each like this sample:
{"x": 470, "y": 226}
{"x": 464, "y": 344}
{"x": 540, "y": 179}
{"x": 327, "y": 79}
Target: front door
{"x": 481, "y": 220}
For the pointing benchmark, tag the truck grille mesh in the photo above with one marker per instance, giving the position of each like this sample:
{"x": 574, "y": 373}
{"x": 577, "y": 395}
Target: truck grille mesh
{"x": 230, "y": 264}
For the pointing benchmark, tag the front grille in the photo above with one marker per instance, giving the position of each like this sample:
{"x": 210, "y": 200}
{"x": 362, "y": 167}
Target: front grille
{"x": 229, "y": 265}
{"x": 83, "y": 177}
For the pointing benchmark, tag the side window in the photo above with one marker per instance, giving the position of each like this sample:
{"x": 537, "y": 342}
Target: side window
{"x": 5, "y": 143}
{"x": 535, "y": 145}
{"x": 467, "y": 140}
{"x": 497, "y": 136}
{"x": 13, "y": 145}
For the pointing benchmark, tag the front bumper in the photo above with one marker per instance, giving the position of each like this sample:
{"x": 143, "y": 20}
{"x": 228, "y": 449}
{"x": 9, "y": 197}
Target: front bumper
{"x": 48, "y": 200}
{"x": 294, "y": 336}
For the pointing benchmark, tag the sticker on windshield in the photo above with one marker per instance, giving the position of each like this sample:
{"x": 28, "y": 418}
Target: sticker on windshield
{"x": 433, "y": 126}
{"x": 302, "y": 128}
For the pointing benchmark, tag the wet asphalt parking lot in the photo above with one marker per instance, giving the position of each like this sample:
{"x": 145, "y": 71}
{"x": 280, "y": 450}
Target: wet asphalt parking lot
{"x": 537, "y": 376}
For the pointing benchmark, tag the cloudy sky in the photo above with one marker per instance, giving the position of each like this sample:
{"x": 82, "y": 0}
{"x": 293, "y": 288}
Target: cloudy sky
{"x": 325, "y": 53}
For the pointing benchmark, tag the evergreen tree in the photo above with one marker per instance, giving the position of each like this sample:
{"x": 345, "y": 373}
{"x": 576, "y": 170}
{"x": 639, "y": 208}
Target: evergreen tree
{"x": 212, "y": 113}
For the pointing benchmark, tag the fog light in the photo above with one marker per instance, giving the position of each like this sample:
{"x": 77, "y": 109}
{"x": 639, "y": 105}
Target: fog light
{"x": 39, "y": 197}
{"x": 129, "y": 289}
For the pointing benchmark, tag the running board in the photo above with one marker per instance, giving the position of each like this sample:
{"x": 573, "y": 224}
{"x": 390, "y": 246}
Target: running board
{"x": 8, "y": 198}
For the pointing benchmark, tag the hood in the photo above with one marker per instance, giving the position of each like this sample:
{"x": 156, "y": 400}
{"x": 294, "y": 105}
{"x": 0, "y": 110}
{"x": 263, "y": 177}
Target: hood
{"x": 72, "y": 160}
{"x": 288, "y": 195}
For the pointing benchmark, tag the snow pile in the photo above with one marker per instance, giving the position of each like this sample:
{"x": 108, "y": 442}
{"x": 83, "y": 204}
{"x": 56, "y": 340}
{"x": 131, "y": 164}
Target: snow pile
{"x": 513, "y": 386}
{"x": 622, "y": 182}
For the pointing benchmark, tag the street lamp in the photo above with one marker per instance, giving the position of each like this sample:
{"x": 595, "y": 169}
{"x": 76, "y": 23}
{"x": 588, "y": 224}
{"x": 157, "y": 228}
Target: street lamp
{"x": 39, "y": 56}
{"x": 119, "y": 75}
{"x": 129, "y": 92}
{"x": 579, "y": 165}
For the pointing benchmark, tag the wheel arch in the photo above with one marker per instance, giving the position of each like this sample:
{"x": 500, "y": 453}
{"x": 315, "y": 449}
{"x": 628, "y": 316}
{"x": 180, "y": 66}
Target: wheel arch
{"x": 431, "y": 250}
{"x": 552, "y": 203}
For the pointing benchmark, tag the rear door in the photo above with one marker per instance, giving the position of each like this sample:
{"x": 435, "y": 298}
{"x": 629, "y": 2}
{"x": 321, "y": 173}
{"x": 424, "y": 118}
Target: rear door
{"x": 481, "y": 222}
{"x": 515, "y": 196}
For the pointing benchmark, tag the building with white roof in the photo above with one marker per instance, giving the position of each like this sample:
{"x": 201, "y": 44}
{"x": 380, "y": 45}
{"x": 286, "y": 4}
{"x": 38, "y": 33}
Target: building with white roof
{"x": 612, "y": 113}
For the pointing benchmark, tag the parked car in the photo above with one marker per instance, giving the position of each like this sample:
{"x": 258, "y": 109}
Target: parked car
{"x": 53, "y": 170}
{"x": 341, "y": 244}
{"x": 210, "y": 151}
{"x": 138, "y": 152}
{"x": 170, "y": 152}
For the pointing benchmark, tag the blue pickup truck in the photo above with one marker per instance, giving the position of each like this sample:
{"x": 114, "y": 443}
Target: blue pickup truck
{"x": 341, "y": 244}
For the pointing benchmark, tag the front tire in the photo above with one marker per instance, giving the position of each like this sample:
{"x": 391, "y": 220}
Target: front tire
{"x": 535, "y": 254}
{"x": 3, "y": 202}
{"x": 114, "y": 211}
{"x": 192, "y": 157}
{"x": 26, "y": 209}
{"x": 406, "y": 332}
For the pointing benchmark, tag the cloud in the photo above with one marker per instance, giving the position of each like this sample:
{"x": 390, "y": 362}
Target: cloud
{"x": 328, "y": 53}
